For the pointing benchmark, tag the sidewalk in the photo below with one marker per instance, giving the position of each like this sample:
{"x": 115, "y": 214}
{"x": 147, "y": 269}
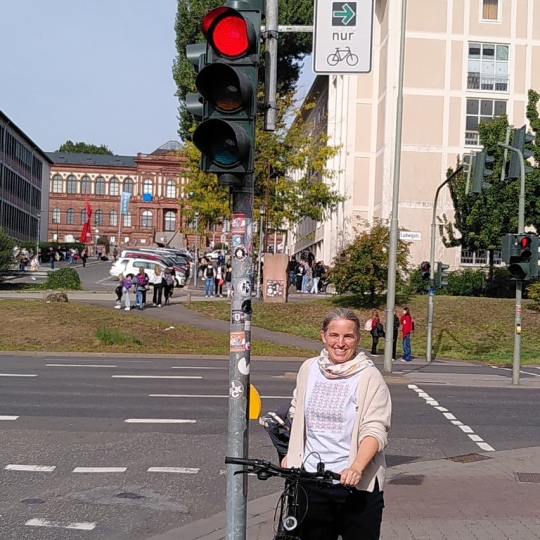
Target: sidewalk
{"x": 431, "y": 500}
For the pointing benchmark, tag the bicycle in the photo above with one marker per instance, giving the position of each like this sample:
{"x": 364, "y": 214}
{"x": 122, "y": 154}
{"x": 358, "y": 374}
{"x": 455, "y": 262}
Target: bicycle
{"x": 288, "y": 502}
{"x": 341, "y": 55}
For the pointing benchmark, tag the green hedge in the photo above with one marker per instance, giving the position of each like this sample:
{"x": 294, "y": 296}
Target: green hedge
{"x": 64, "y": 279}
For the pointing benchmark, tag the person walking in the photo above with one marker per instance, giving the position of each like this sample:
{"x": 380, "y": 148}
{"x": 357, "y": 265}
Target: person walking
{"x": 84, "y": 257}
{"x": 209, "y": 281}
{"x": 375, "y": 330}
{"x": 115, "y": 253}
{"x": 395, "y": 336}
{"x": 306, "y": 274}
{"x": 141, "y": 283}
{"x": 318, "y": 271}
{"x": 228, "y": 279}
{"x": 406, "y": 329}
{"x": 291, "y": 268}
{"x": 341, "y": 413}
{"x": 51, "y": 257}
{"x": 126, "y": 286}
{"x": 158, "y": 286}
{"x": 168, "y": 285}
{"x": 218, "y": 280}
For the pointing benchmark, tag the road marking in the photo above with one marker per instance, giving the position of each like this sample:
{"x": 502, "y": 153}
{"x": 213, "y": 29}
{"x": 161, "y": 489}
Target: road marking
{"x": 17, "y": 375}
{"x": 210, "y": 396}
{"x": 99, "y": 469}
{"x": 158, "y": 421}
{"x": 29, "y": 468}
{"x": 453, "y": 420}
{"x": 178, "y": 470}
{"x": 521, "y": 371}
{"x": 197, "y": 367}
{"x": 81, "y": 365}
{"x": 155, "y": 377}
{"x": 9, "y": 417}
{"x": 81, "y": 526}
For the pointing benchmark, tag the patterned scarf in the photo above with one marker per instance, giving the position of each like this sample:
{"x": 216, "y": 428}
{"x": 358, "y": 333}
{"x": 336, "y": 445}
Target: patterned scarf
{"x": 345, "y": 370}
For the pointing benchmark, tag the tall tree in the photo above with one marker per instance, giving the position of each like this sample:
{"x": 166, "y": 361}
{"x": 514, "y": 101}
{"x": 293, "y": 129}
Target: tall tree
{"x": 292, "y": 48}
{"x": 7, "y": 261}
{"x": 83, "y": 148}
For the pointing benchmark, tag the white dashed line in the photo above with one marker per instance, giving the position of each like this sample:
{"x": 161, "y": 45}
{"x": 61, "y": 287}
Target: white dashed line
{"x": 209, "y": 396}
{"x": 29, "y": 468}
{"x": 177, "y": 470}
{"x": 197, "y": 367}
{"x": 158, "y": 421}
{"x": 82, "y": 526}
{"x": 86, "y": 470}
{"x": 9, "y": 418}
{"x": 17, "y": 375}
{"x": 155, "y": 377}
{"x": 521, "y": 371}
{"x": 81, "y": 365}
{"x": 453, "y": 420}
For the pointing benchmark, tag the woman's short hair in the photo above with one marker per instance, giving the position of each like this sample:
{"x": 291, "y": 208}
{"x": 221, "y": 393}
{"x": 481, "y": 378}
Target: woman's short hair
{"x": 341, "y": 314}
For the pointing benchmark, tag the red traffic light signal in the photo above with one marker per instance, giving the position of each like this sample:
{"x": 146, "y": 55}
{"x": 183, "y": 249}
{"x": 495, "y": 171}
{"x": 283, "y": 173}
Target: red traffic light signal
{"x": 425, "y": 270}
{"x": 525, "y": 242}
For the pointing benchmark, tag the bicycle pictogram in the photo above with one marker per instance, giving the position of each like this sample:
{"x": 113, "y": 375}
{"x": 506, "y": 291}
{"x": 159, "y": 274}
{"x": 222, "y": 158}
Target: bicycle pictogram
{"x": 342, "y": 55}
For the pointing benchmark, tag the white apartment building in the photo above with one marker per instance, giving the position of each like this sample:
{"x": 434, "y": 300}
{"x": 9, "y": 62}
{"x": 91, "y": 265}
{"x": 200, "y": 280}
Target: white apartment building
{"x": 465, "y": 60}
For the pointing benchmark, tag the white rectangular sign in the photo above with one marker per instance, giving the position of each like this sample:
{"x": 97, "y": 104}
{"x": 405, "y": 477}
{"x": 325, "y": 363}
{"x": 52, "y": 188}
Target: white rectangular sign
{"x": 410, "y": 236}
{"x": 343, "y": 36}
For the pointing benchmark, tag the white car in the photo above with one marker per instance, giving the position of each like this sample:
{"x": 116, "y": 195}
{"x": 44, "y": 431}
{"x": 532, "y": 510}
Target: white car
{"x": 131, "y": 266}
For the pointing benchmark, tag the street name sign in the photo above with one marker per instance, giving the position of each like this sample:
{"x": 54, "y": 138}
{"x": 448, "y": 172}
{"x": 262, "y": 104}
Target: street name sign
{"x": 410, "y": 236}
{"x": 343, "y": 37}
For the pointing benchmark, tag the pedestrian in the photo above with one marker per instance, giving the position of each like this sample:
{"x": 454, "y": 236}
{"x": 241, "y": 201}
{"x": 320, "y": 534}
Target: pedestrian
{"x": 40, "y": 262}
{"x": 115, "y": 253}
{"x": 228, "y": 279}
{"x": 218, "y": 280}
{"x": 375, "y": 329}
{"x": 84, "y": 257}
{"x": 51, "y": 257}
{"x": 406, "y": 328}
{"x": 209, "y": 281}
{"x": 291, "y": 269}
{"x": 395, "y": 336}
{"x": 141, "y": 287}
{"x": 341, "y": 412}
{"x": 168, "y": 285}
{"x": 306, "y": 276}
{"x": 317, "y": 272}
{"x": 158, "y": 286}
{"x": 118, "y": 291}
{"x": 126, "y": 286}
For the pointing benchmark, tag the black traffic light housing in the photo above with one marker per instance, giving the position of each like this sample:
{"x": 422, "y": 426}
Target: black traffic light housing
{"x": 481, "y": 171}
{"x": 425, "y": 270}
{"x": 442, "y": 274}
{"x": 520, "y": 253}
{"x": 519, "y": 141}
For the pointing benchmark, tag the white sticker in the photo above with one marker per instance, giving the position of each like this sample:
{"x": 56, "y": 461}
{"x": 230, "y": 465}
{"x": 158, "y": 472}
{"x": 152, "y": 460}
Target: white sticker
{"x": 236, "y": 389}
{"x": 247, "y": 325}
{"x": 243, "y": 367}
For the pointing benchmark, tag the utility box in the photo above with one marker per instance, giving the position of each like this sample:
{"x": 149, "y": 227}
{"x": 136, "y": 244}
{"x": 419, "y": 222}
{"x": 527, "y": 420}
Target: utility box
{"x": 275, "y": 277}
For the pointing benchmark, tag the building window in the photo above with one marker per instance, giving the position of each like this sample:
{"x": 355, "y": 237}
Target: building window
{"x": 71, "y": 184}
{"x": 148, "y": 186}
{"x": 100, "y": 186}
{"x": 56, "y": 215}
{"x": 146, "y": 219}
{"x": 490, "y": 10}
{"x": 226, "y": 226}
{"x": 479, "y": 258}
{"x": 127, "y": 219}
{"x": 128, "y": 185}
{"x": 86, "y": 185}
{"x": 57, "y": 184}
{"x": 83, "y": 216}
{"x": 170, "y": 191}
{"x": 70, "y": 216}
{"x": 114, "y": 187}
{"x": 99, "y": 217}
{"x": 169, "y": 221}
{"x": 479, "y": 110}
{"x": 488, "y": 67}
{"x": 113, "y": 218}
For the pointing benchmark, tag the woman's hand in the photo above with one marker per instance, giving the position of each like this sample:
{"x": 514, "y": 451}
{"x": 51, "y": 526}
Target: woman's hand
{"x": 284, "y": 462}
{"x": 350, "y": 477}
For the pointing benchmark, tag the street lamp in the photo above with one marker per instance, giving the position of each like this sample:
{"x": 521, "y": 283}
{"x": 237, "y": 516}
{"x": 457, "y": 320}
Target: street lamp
{"x": 38, "y": 235}
{"x": 196, "y": 246}
{"x": 262, "y": 211}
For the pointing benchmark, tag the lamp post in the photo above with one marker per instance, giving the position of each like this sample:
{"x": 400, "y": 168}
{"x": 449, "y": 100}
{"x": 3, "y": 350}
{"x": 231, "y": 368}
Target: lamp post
{"x": 262, "y": 211}
{"x": 38, "y": 235}
{"x": 96, "y": 231}
{"x": 196, "y": 246}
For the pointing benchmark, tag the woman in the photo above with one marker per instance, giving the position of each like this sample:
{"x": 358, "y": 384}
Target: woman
{"x": 228, "y": 279}
{"x": 406, "y": 329}
{"x": 395, "y": 336}
{"x": 140, "y": 284}
{"x": 218, "y": 280}
{"x": 340, "y": 414}
{"x": 168, "y": 285}
{"x": 158, "y": 286}
{"x": 84, "y": 257}
{"x": 374, "y": 332}
{"x": 126, "y": 283}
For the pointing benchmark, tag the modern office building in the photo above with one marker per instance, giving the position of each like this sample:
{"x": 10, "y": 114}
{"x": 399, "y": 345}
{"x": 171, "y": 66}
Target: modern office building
{"x": 24, "y": 184}
{"x": 465, "y": 61}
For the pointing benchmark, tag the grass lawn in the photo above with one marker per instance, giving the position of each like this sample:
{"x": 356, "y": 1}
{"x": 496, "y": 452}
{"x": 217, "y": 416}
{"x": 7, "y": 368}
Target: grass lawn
{"x": 34, "y": 325}
{"x": 463, "y": 328}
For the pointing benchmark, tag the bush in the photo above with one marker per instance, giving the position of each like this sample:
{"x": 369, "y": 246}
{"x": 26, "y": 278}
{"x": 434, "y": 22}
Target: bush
{"x": 466, "y": 282}
{"x": 109, "y": 336}
{"x": 65, "y": 278}
{"x": 501, "y": 286}
{"x": 415, "y": 284}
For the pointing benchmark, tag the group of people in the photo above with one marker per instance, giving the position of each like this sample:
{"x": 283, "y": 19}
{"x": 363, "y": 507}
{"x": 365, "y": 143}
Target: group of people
{"x": 375, "y": 327}
{"x": 162, "y": 284}
{"x": 215, "y": 276}
{"x": 306, "y": 275}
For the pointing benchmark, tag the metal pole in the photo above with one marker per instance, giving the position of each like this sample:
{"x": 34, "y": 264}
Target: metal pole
{"x": 38, "y": 233}
{"x": 196, "y": 248}
{"x": 239, "y": 364}
{"x": 120, "y": 223}
{"x": 505, "y": 159}
{"x": 259, "y": 262}
{"x": 431, "y": 292}
{"x": 271, "y": 59}
{"x": 392, "y": 254}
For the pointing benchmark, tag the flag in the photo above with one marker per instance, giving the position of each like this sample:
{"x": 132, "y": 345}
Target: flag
{"x": 86, "y": 233}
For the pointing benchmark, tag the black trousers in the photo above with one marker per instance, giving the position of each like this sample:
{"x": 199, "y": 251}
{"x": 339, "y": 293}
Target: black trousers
{"x": 333, "y": 511}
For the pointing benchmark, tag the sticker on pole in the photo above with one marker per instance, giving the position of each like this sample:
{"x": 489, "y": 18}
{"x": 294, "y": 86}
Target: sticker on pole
{"x": 238, "y": 225}
{"x": 236, "y": 390}
{"x": 238, "y": 341}
{"x": 240, "y": 253}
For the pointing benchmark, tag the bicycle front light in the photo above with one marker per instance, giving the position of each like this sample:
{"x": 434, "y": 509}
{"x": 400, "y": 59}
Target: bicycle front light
{"x": 290, "y": 523}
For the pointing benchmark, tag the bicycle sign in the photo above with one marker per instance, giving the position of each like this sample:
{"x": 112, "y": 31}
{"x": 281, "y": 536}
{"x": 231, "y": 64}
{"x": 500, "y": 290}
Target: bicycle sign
{"x": 343, "y": 33}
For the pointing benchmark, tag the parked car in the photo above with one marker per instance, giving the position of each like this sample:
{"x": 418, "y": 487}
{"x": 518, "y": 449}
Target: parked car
{"x": 178, "y": 259}
{"x": 179, "y": 266}
{"x": 127, "y": 266}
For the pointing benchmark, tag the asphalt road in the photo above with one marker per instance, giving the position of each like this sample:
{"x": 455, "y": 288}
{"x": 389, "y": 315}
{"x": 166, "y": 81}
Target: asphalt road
{"x": 82, "y": 438}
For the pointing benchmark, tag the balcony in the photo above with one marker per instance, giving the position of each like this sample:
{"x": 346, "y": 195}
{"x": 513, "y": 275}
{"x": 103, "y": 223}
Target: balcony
{"x": 476, "y": 81}
{"x": 472, "y": 138}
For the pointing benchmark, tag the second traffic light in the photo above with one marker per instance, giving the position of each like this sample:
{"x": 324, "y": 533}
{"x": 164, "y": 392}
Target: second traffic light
{"x": 425, "y": 270}
{"x": 481, "y": 171}
{"x": 520, "y": 253}
{"x": 442, "y": 274}
{"x": 520, "y": 140}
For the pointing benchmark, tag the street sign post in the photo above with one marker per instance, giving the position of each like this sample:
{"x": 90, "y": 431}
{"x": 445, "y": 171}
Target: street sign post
{"x": 343, "y": 39}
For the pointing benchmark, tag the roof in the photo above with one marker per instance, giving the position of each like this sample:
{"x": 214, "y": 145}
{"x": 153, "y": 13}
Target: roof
{"x": 171, "y": 146}
{"x": 100, "y": 160}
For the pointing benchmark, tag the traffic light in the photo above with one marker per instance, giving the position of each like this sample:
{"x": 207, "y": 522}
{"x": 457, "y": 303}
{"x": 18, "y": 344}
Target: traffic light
{"x": 520, "y": 253}
{"x": 441, "y": 275}
{"x": 425, "y": 270}
{"x": 520, "y": 140}
{"x": 480, "y": 172}
{"x": 227, "y": 85}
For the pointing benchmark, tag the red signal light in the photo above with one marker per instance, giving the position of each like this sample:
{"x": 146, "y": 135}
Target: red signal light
{"x": 210, "y": 17}
{"x": 525, "y": 241}
{"x": 425, "y": 267}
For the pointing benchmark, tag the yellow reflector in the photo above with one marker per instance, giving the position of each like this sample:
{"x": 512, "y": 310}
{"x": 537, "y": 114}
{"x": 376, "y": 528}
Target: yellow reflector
{"x": 255, "y": 403}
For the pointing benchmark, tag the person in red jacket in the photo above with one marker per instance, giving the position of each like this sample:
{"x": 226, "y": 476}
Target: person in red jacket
{"x": 406, "y": 329}
{"x": 375, "y": 320}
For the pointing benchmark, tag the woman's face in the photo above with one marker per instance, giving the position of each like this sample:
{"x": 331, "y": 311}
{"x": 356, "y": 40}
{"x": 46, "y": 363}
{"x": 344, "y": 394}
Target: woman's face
{"x": 341, "y": 340}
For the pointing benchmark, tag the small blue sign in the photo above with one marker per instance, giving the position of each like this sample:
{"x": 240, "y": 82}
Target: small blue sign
{"x": 124, "y": 203}
{"x": 431, "y": 292}
{"x": 147, "y": 197}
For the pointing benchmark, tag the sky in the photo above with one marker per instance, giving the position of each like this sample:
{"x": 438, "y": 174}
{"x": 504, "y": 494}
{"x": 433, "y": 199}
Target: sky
{"x": 96, "y": 71}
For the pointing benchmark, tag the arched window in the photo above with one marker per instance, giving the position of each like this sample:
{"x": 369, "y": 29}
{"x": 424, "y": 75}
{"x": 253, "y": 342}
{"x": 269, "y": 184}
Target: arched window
{"x": 70, "y": 216}
{"x": 169, "y": 221}
{"x": 99, "y": 217}
{"x": 71, "y": 184}
{"x": 86, "y": 185}
{"x": 56, "y": 215}
{"x": 113, "y": 218}
{"x": 146, "y": 219}
{"x": 100, "y": 186}
{"x": 114, "y": 187}
{"x": 83, "y": 216}
{"x": 148, "y": 186}
{"x": 127, "y": 219}
{"x": 57, "y": 184}
{"x": 170, "y": 191}
{"x": 128, "y": 185}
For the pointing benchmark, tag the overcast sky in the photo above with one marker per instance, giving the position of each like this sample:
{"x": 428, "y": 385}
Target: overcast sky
{"x": 97, "y": 71}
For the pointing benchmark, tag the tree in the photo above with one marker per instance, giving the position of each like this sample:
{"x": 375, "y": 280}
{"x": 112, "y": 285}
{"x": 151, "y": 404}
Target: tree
{"x": 482, "y": 220}
{"x": 6, "y": 255}
{"x": 292, "y": 48}
{"x": 290, "y": 163}
{"x": 82, "y": 148}
{"x": 362, "y": 267}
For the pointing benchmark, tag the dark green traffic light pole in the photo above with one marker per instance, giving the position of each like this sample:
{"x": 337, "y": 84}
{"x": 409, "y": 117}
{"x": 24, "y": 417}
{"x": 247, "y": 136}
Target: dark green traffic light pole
{"x": 432, "y": 264}
{"x": 519, "y": 284}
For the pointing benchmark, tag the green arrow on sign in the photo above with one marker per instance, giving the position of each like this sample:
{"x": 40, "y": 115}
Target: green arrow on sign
{"x": 347, "y": 14}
